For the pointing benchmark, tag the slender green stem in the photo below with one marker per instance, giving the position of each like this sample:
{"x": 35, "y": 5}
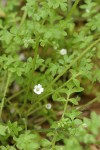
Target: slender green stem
{"x": 65, "y": 107}
{"x": 23, "y": 18}
{"x": 89, "y": 103}
{"x": 69, "y": 4}
{"x": 72, "y": 10}
{"x": 33, "y": 69}
{"x": 16, "y": 94}
{"x": 55, "y": 135}
{"x": 54, "y": 140}
{"x": 4, "y": 94}
{"x": 37, "y": 109}
{"x": 3, "y": 81}
{"x": 35, "y": 58}
{"x": 25, "y": 123}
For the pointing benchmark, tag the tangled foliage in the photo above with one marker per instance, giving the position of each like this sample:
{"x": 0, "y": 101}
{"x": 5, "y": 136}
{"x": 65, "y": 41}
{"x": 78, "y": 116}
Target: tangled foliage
{"x": 49, "y": 63}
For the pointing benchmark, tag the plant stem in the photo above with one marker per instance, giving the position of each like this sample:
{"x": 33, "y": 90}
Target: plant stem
{"x": 55, "y": 135}
{"x": 35, "y": 57}
{"x": 3, "y": 81}
{"x": 25, "y": 123}
{"x": 37, "y": 109}
{"x": 33, "y": 69}
{"x": 54, "y": 140}
{"x": 4, "y": 94}
{"x": 72, "y": 10}
{"x": 16, "y": 94}
{"x": 65, "y": 107}
{"x": 23, "y": 18}
{"x": 88, "y": 104}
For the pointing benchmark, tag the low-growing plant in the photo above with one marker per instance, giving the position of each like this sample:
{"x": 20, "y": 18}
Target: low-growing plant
{"x": 49, "y": 63}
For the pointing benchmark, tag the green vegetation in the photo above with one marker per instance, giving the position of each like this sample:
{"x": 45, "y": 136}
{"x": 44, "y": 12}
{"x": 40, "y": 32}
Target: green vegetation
{"x": 49, "y": 63}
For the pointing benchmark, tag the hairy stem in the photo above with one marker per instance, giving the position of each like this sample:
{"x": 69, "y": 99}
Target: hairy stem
{"x": 65, "y": 107}
{"x": 54, "y": 140}
{"x": 4, "y": 94}
{"x": 15, "y": 95}
{"x": 89, "y": 103}
{"x": 37, "y": 109}
{"x": 33, "y": 69}
{"x": 23, "y": 18}
{"x": 55, "y": 135}
{"x": 3, "y": 82}
{"x": 72, "y": 10}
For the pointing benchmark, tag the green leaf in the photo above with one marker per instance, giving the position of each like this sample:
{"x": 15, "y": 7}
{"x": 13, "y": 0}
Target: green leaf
{"x": 93, "y": 124}
{"x": 6, "y": 36}
{"x": 56, "y": 3}
{"x": 76, "y": 82}
{"x": 7, "y": 148}
{"x": 72, "y": 143}
{"x": 45, "y": 143}
{"x": 73, "y": 114}
{"x": 14, "y": 129}
{"x": 61, "y": 99}
{"x": 3, "y": 130}
{"x": 27, "y": 141}
{"x": 73, "y": 101}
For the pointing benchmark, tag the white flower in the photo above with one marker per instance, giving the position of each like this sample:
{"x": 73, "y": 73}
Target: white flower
{"x": 38, "y": 89}
{"x": 63, "y": 51}
{"x": 48, "y": 106}
{"x": 22, "y": 57}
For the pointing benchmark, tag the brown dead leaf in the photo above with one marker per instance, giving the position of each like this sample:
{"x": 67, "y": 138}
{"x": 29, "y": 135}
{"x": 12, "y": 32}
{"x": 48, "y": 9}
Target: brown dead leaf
{"x": 94, "y": 147}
